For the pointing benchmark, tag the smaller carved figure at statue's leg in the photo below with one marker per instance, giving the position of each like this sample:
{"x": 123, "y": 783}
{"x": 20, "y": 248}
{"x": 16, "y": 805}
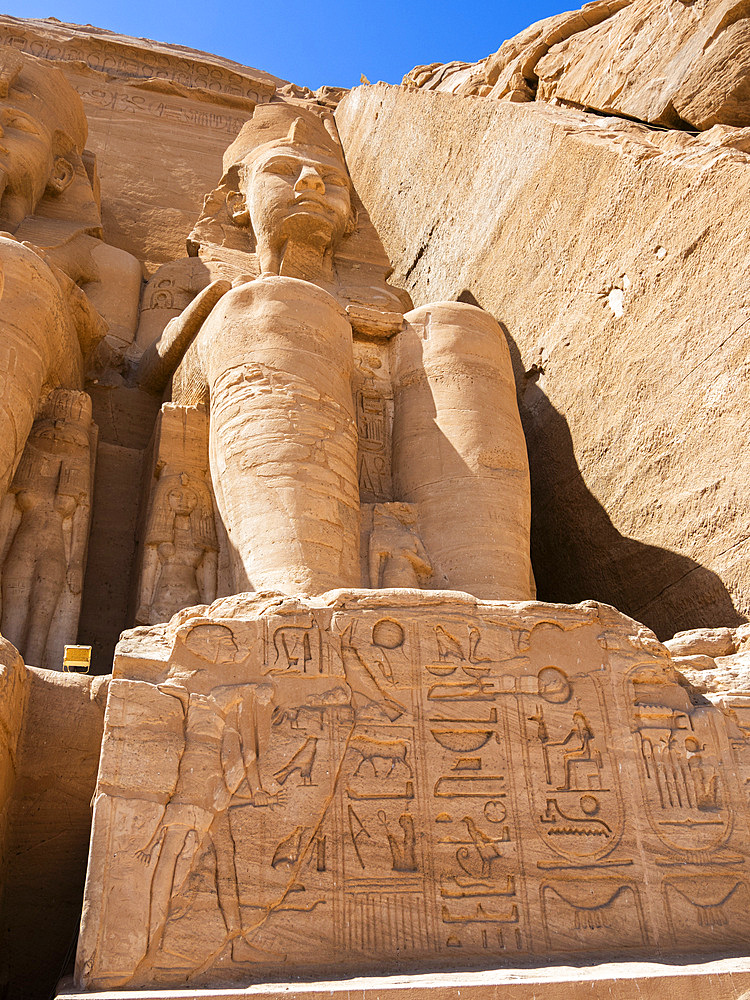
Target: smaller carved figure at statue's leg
{"x": 16, "y": 588}
{"x": 47, "y": 585}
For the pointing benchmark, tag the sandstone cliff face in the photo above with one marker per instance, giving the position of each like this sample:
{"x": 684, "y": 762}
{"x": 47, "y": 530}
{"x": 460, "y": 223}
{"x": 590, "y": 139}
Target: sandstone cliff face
{"x": 49, "y": 818}
{"x": 670, "y": 63}
{"x": 616, "y": 257}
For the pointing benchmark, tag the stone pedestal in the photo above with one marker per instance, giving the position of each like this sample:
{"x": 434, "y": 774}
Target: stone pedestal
{"x": 727, "y": 979}
{"x": 409, "y": 782}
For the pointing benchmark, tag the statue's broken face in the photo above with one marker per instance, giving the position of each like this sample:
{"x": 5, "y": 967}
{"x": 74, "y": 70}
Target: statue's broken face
{"x": 296, "y": 193}
{"x": 28, "y": 164}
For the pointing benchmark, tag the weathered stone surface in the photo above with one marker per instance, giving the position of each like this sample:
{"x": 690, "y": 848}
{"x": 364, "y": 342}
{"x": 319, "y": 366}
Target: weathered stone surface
{"x": 405, "y": 780}
{"x": 717, "y": 664}
{"x": 672, "y": 63}
{"x": 726, "y": 979}
{"x": 614, "y": 256}
{"x": 13, "y": 694}
{"x": 405, "y": 777}
{"x": 49, "y": 821}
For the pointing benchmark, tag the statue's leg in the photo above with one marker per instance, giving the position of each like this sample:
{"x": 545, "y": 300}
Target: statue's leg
{"x": 35, "y": 340}
{"x": 459, "y": 451}
{"x": 283, "y": 440}
{"x": 17, "y": 578}
{"x": 48, "y": 583}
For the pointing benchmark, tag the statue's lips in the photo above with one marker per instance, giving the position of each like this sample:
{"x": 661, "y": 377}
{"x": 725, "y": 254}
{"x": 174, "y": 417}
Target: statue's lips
{"x": 313, "y": 206}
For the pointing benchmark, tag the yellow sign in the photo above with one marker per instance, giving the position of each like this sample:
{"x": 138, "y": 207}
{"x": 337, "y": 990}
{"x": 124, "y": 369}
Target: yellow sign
{"x": 77, "y": 659}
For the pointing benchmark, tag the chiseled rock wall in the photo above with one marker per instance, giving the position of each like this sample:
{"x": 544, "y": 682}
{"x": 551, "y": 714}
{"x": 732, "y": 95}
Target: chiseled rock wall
{"x": 673, "y": 63}
{"x": 13, "y": 694}
{"x": 616, "y": 258}
{"x": 49, "y": 820}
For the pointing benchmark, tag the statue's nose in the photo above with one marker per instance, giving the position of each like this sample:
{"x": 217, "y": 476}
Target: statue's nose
{"x": 310, "y": 180}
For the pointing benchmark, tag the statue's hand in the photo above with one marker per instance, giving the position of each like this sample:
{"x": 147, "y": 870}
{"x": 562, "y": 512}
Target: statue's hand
{"x": 75, "y": 579}
{"x": 185, "y": 326}
{"x": 144, "y": 856}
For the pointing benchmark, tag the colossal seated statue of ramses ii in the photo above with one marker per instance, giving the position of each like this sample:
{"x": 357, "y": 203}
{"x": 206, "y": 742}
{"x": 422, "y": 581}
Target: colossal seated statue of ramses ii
{"x": 61, "y": 289}
{"x": 270, "y": 345}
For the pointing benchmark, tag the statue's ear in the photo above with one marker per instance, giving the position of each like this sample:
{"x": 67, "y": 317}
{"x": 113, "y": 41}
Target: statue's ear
{"x": 237, "y": 208}
{"x": 351, "y": 222}
{"x": 62, "y": 175}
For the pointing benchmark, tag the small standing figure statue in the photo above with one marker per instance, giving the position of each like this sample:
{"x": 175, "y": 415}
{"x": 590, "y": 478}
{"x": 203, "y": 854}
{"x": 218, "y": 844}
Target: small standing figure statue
{"x": 45, "y": 518}
{"x": 181, "y": 550}
{"x": 397, "y": 556}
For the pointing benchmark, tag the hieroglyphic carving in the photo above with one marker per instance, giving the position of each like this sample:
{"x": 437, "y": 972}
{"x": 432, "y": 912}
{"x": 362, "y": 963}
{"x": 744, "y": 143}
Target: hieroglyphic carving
{"x": 373, "y": 822}
{"x": 688, "y": 805}
{"x": 130, "y": 103}
{"x": 44, "y": 524}
{"x": 373, "y": 398}
{"x": 133, "y": 62}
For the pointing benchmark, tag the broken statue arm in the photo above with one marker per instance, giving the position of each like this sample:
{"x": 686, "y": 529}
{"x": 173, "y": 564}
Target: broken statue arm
{"x": 161, "y": 359}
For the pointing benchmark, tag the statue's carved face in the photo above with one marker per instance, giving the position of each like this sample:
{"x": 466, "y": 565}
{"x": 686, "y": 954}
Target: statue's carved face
{"x": 296, "y": 193}
{"x": 28, "y": 164}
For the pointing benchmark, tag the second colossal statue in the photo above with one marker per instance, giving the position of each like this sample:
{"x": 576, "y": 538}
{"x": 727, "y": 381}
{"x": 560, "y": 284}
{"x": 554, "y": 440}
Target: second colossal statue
{"x": 268, "y": 345}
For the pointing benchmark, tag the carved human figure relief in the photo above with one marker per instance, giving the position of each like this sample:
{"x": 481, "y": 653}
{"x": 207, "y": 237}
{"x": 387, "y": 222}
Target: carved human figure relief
{"x": 46, "y": 518}
{"x": 222, "y": 740}
{"x": 397, "y": 556}
{"x": 180, "y": 551}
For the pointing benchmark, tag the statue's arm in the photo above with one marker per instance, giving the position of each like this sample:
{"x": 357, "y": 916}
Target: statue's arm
{"x": 160, "y": 360}
{"x": 205, "y": 576}
{"x": 376, "y": 559}
{"x": 149, "y": 577}
{"x": 79, "y": 529}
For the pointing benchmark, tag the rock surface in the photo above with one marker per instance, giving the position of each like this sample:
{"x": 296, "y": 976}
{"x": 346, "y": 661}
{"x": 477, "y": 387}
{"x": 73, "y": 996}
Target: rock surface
{"x": 598, "y": 244}
{"x": 49, "y": 822}
{"x": 671, "y": 63}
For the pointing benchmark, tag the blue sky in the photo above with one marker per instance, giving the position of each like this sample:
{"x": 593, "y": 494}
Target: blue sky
{"x": 330, "y": 42}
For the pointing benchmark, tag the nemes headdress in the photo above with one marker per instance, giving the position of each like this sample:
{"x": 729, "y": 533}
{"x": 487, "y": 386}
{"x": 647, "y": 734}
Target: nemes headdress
{"x": 281, "y": 125}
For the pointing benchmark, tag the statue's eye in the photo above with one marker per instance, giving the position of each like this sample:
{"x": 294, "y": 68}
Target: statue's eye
{"x": 283, "y": 168}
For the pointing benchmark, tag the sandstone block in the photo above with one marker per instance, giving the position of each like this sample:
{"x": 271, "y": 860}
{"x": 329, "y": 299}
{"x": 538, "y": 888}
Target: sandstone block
{"x": 405, "y": 780}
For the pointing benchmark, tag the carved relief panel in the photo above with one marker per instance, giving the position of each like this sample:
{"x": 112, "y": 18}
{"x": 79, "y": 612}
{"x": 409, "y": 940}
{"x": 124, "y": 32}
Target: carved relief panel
{"x": 179, "y": 561}
{"x": 399, "y": 786}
